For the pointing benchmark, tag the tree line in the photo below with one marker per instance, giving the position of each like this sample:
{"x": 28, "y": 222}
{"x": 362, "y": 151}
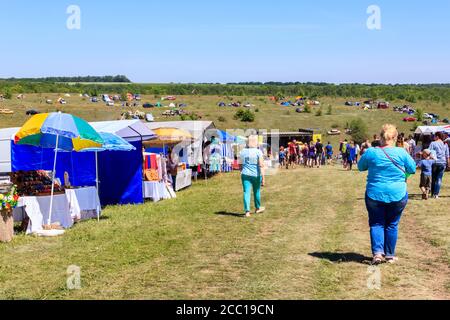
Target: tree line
{"x": 409, "y": 92}
{"x": 117, "y": 78}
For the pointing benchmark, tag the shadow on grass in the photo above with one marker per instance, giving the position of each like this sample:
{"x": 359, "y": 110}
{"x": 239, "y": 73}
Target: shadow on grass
{"x": 232, "y": 214}
{"x": 342, "y": 257}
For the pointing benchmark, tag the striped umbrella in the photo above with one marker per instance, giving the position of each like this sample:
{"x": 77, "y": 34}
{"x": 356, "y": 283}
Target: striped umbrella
{"x": 60, "y": 131}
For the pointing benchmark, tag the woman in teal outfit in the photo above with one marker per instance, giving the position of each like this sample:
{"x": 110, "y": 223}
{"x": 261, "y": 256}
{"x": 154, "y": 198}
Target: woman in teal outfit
{"x": 252, "y": 175}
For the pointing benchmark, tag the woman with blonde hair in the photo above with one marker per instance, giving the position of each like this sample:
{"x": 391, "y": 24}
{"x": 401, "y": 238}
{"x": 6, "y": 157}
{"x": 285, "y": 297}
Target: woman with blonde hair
{"x": 252, "y": 175}
{"x": 386, "y": 192}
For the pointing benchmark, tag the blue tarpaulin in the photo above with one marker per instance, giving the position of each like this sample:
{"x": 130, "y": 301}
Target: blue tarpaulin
{"x": 80, "y": 166}
{"x": 120, "y": 175}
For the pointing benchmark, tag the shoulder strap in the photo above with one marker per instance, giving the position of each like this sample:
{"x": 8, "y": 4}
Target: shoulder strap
{"x": 395, "y": 163}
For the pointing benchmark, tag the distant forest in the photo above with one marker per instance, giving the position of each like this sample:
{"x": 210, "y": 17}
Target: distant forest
{"x": 118, "y": 78}
{"x": 409, "y": 92}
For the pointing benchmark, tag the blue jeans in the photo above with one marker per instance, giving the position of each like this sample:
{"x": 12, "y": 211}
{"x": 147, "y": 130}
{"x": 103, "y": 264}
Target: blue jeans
{"x": 384, "y": 219}
{"x": 436, "y": 178}
{"x": 250, "y": 183}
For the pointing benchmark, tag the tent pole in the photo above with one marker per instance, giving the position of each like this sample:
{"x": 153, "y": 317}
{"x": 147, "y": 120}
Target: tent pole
{"x": 53, "y": 182}
{"x": 97, "y": 185}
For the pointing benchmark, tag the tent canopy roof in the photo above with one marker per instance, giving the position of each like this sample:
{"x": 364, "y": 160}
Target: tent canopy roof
{"x": 196, "y": 128}
{"x": 6, "y": 134}
{"x": 432, "y": 129}
{"x": 130, "y": 130}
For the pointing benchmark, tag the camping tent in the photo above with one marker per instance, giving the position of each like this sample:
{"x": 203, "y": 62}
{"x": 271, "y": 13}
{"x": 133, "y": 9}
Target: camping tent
{"x": 198, "y": 129}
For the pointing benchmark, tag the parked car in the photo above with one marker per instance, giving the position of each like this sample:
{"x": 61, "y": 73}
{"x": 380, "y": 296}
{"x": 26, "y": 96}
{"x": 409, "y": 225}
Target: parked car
{"x": 383, "y": 105}
{"x": 409, "y": 119}
{"x": 110, "y": 104}
{"x": 148, "y": 105}
{"x": 334, "y": 132}
{"x": 428, "y": 116}
{"x": 149, "y": 117}
{"x": 32, "y": 112}
{"x": 94, "y": 99}
{"x": 349, "y": 103}
{"x": 445, "y": 120}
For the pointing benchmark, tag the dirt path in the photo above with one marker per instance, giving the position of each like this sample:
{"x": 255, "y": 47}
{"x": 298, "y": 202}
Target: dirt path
{"x": 312, "y": 243}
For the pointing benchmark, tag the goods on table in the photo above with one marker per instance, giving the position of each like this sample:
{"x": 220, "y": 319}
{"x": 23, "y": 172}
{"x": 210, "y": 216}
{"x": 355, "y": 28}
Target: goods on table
{"x": 35, "y": 183}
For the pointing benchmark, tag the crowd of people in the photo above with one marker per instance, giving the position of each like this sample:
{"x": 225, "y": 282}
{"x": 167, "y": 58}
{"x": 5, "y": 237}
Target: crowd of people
{"x": 310, "y": 155}
{"x": 390, "y": 159}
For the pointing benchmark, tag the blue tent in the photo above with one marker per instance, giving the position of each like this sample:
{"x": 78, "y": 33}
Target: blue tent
{"x": 225, "y": 137}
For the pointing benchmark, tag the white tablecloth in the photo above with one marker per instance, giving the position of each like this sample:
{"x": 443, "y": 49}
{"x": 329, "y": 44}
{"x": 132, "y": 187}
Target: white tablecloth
{"x": 83, "y": 203}
{"x": 155, "y": 190}
{"x": 184, "y": 179}
{"x": 37, "y": 209}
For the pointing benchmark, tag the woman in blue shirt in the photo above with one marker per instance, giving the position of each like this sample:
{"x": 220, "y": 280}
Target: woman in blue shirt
{"x": 386, "y": 192}
{"x": 252, "y": 174}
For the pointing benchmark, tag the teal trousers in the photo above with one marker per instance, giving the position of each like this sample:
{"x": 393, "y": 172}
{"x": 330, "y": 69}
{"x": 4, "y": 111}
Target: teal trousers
{"x": 250, "y": 183}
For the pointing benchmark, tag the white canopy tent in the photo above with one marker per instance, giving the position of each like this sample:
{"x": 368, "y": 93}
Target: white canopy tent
{"x": 432, "y": 129}
{"x": 6, "y": 136}
{"x": 198, "y": 129}
{"x": 129, "y": 130}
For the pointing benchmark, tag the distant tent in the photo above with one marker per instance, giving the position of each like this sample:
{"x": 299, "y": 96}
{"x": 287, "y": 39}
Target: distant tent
{"x": 172, "y": 105}
{"x": 221, "y": 104}
{"x": 158, "y": 104}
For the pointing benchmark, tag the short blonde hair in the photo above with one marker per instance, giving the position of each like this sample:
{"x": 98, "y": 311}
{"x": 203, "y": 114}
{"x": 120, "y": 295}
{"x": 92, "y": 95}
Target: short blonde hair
{"x": 253, "y": 141}
{"x": 389, "y": 133}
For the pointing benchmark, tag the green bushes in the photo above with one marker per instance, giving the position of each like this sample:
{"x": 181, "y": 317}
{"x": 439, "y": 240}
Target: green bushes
{"x": 359, "y": 130}
{"x": 244, "y": 115}
{"x": 419, "y": 114}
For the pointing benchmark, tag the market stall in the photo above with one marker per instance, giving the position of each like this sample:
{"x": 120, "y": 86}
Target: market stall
{"x": 178, "y": 173}
{"x": 156, "y": 185}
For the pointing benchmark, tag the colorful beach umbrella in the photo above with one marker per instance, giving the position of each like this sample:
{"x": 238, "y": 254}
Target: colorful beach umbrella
{"x": 72, "y": 133}
{"x": 60, "y": 131}
{"x": 111, "y": 142}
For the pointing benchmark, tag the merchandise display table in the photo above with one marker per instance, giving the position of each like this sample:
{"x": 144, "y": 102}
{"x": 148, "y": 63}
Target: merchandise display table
{"x": 184, "y": 179}
{"x": 37, "y": 209}
{"x": 84, "y": 203}
{"x": 155, "y": 190}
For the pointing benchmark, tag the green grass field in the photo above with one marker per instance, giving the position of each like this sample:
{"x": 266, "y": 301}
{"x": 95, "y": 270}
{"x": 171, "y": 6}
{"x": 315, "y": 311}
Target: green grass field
{"x": 312, "y": 243}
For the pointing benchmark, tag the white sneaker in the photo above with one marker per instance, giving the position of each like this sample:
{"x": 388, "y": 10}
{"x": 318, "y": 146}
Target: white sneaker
{"x": 261, "y": 210}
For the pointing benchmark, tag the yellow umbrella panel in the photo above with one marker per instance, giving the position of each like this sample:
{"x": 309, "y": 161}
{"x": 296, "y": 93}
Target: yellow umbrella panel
{"x": 169, "y": 136}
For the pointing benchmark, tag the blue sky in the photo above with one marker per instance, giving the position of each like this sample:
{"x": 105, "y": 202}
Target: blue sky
{"x": 228, "y": 41}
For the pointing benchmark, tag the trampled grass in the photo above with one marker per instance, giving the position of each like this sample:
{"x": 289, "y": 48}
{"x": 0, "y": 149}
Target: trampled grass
{"x": 312, "y": 243}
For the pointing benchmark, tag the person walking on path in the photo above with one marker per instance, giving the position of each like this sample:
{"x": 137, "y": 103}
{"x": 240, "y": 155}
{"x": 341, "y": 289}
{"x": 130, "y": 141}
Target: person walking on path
{"x": 440, "y": 149}
{"x": 386, "y": 192}
{"x": 329, "y": 151}
{"x": 351, "y": 155}
{"x": 426, "y": 166}
{"x": 252, "y": 175}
